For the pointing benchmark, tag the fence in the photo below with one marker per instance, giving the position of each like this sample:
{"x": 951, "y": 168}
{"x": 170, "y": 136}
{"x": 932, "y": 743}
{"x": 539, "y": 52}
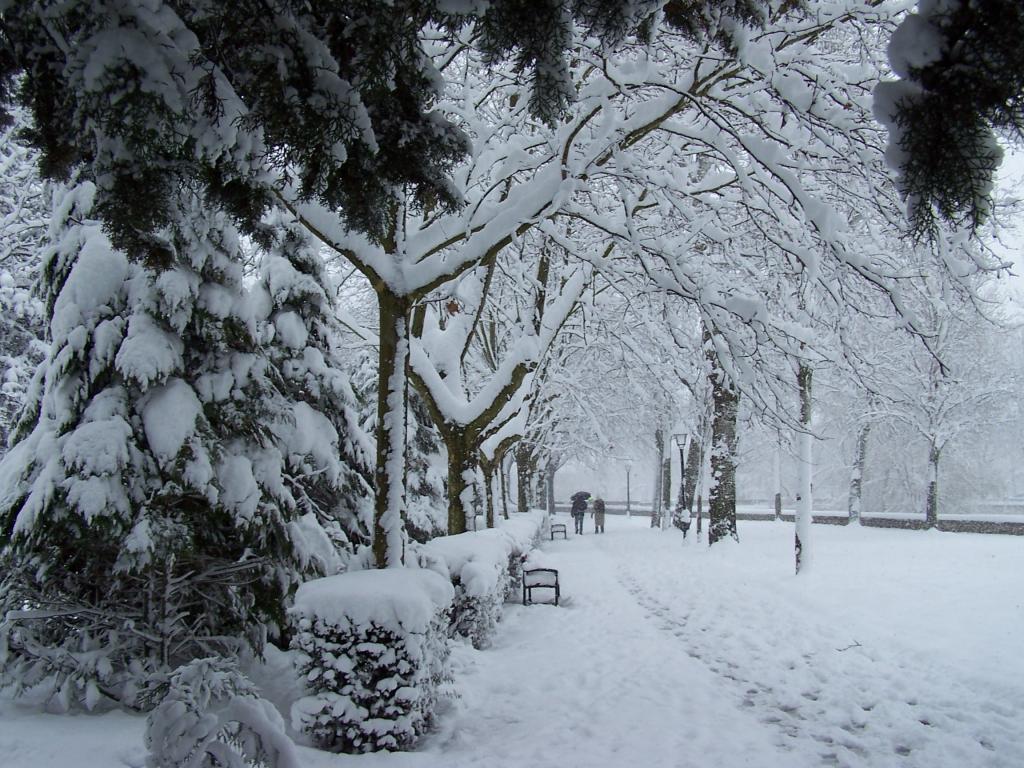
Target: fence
{"x": 907, "y": 522}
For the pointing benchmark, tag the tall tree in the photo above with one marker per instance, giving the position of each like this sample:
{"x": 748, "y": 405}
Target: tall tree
{"x": 328, "y": 109}
{"x": 146, "y": 517}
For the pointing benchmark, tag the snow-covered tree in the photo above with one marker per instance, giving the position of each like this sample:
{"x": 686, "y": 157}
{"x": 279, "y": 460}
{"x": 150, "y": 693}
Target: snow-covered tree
{"x": 24, "y": 213}
{"x": 961, "y": 88}
{"x": 328, "y": 454}
{"x": 226, "y": 97}
{"x": 145, "y": 517}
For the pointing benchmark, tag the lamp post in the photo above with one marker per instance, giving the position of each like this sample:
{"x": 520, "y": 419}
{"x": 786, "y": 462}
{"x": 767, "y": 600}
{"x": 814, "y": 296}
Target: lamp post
{"x": 681, "y": 440}
{"x": 629, "y": 467}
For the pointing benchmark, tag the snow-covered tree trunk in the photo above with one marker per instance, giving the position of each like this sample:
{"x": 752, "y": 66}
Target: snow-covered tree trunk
{"x": 488, "y": 468}
{"x": 659, "y": 477}
{"x": 725, "y": 400}
{"x": 804, "y": 503}
{"x": 694, "y": 460}
{"x": 666, "y": 490}
{"x": 931, "y": 510}
{"x": 549, "y": 485}
{"x": 856, "y": 498}
{"x": 722, "y": 498}
{"x": 392, "y": 401}
{"x": 524, "y": 476}
{"x": 503, "y": 469}
{"x": 463, "y": 462}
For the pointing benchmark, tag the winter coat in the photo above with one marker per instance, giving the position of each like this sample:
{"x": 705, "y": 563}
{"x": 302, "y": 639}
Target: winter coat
{"x": 579, "y": 506}
{"x": 599, "y": 512}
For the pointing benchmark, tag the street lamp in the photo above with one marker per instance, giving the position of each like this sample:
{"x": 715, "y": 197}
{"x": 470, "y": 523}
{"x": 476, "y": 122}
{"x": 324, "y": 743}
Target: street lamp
{"x": 681, "y": 442}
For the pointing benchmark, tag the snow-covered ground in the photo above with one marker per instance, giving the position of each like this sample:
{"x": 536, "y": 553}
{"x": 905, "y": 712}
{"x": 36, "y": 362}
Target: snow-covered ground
{"x": 897, "y": 648}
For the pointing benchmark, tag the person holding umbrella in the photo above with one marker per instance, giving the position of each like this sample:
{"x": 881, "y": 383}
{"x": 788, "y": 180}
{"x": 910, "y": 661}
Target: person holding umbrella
{"x": 579, "y": 509}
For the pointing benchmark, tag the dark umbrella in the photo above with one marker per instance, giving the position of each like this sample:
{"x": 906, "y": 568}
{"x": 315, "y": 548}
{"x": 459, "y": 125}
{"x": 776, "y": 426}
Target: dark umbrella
{"x": 580, "y": 494}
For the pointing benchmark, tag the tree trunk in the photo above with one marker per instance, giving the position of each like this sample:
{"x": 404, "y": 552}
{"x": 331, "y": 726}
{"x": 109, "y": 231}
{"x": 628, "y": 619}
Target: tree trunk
{"x": 722, "y": 498}
{"x": 392, "y": 415}
{"x": 539, "y": 492}
{"x": 666, "y": 489}
{"x": 931, "y": 510}
{"x": 659, "y": 477}
{"x": 524, "y": 476}
{"x": 488, "y": 467}
{"x": 549, "y": 486}
{"x": 463, "y": 461}
{"x": 503, "y": 467}
{"x": 804, "y": 505}
{"x": 855, "y": 501}
{"x": 694, "y": 459}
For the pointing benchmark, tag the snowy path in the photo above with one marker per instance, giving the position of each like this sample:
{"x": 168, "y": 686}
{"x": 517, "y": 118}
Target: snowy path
{"x": 898, "y": 649}
{"x": 674, "y": 655}
{"x": 834, "y": 700}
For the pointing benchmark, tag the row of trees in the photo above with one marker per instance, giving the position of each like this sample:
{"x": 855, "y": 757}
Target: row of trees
{"x": 684, "y": 197}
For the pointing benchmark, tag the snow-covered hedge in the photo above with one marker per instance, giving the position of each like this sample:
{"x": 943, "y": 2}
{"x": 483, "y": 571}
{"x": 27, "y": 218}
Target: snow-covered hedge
{"x": 485, "y": 569}
{"x": 374, "y": 654}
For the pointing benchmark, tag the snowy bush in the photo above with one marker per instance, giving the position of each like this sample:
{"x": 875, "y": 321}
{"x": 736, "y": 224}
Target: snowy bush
{"x": 211, "y": 716}
{"x": 477, "y": 566}
{"x": 525, "y": 531}
{"x": 485, "y": 570}
{"x": 374, "y": 655}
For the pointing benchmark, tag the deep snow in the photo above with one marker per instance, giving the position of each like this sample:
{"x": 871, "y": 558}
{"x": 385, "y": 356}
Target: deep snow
{"x": 899, "y": 648}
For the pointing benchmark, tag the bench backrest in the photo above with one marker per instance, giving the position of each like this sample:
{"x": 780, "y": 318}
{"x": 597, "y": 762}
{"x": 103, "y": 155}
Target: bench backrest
{"x": 540, "y": 577}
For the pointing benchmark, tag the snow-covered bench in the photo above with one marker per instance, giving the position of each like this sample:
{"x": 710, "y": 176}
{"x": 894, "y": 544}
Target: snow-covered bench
{"x": 558, "y": 528}
{"x": 539, "y": 578}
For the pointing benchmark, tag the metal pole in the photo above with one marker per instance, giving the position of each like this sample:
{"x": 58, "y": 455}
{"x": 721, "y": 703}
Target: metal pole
{"x": 628, "y": 512}
{"x": 682, "y": 476}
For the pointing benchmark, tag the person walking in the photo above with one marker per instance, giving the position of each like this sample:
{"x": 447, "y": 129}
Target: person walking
{"x": 579, "y": 510}
{"x": 598, "y": 515}
{"x": 681, "y": 520}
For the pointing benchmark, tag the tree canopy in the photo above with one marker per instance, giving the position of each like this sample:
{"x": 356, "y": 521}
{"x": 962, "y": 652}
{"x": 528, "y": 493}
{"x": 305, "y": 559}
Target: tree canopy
{"x": 961, "y": 87}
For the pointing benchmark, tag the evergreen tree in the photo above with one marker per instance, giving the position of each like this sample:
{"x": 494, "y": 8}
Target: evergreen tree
{"x": 335, "y": 98}
{"x": 961, "y": 66}
{"x": 427, "y": 468}
{"x": 144, "y": 515}
{"x": 328, "y": 452}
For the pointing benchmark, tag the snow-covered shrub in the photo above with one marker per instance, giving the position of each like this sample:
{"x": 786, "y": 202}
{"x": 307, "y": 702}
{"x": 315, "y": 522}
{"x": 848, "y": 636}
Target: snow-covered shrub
{"x": 374, "y": 655}
{"x": 525, "y": 532}
{"x": 210, "y": 715}
{"x": 485, "y": 570}
{"x": 477, "y": 566}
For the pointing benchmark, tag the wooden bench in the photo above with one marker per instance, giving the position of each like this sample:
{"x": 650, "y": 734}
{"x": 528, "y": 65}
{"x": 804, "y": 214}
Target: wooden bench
{"x": 558, "y": 528}
{"x": 539, "y": 578}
